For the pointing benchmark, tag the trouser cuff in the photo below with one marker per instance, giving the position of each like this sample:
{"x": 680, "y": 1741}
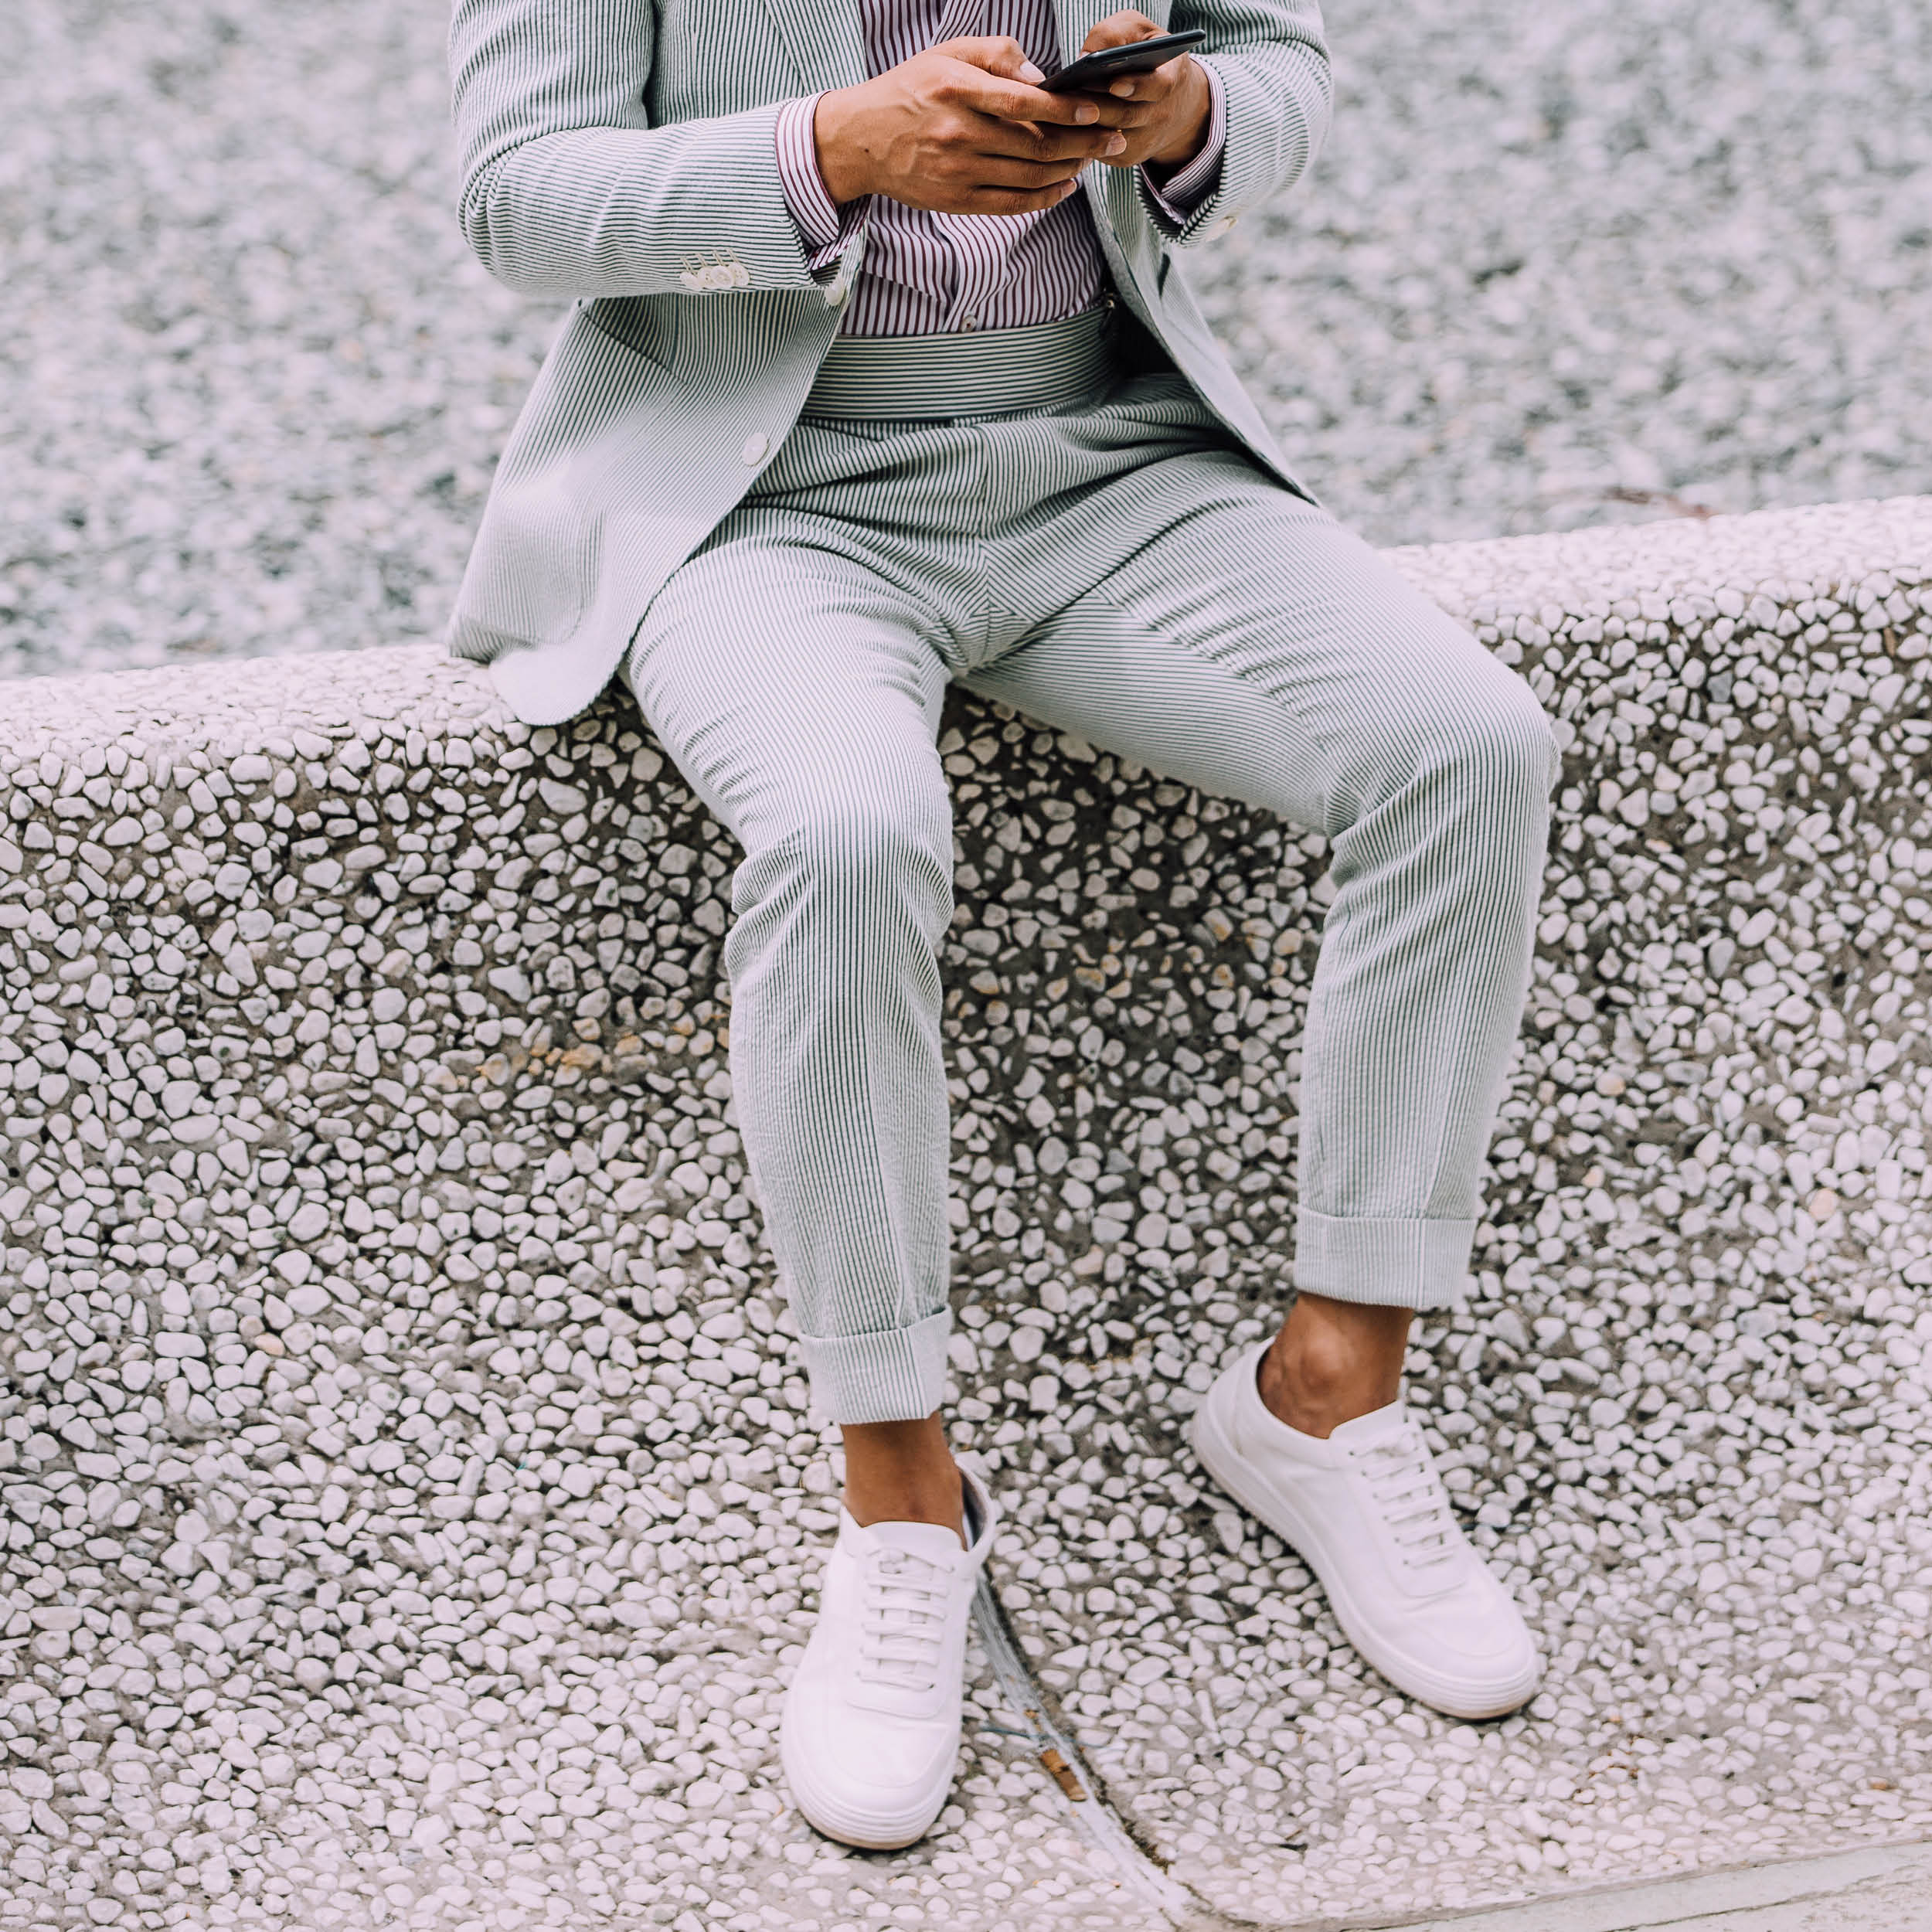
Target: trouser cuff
{"x": 1390, "y": 1265}
{"x": 894, "y": 1375}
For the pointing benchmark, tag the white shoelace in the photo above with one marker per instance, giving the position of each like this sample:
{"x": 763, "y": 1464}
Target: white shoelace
{"x": 1401, "y": 1479}
{"x": 902, "y": 1620}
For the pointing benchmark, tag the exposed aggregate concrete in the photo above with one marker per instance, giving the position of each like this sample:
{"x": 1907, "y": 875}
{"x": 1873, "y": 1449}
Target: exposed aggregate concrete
{"x": 411, "y": 1506}
{"x": 1554, "y": 254}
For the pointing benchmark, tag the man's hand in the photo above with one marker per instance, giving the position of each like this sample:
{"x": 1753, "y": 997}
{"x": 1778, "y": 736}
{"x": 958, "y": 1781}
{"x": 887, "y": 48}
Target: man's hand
{"x": 961, "y": 130}
{"x": 1162, "y": 113}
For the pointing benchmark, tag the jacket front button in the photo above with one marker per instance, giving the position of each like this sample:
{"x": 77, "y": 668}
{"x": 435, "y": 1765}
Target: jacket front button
{"x": 756, "y": 448}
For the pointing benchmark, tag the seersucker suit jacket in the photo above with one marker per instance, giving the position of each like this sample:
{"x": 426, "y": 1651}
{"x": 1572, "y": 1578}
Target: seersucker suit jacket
{"x": 621, "y": 153}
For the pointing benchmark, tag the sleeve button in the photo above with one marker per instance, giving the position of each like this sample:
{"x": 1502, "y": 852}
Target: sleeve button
{"x": 756, "y": 447}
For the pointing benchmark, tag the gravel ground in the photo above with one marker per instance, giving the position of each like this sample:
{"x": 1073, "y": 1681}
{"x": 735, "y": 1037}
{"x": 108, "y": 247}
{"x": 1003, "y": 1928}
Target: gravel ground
{"x": 254, "y": 385}
{"x": 412, "y": 1509}
{"x": 1558, "y": 251}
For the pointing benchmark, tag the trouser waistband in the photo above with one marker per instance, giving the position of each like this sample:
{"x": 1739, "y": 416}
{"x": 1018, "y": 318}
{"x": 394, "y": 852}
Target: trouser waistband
{"x": 992, "y": 372}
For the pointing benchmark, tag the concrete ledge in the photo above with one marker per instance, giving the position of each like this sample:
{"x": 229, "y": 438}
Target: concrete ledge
{"x": 1881, "y": 1889}
{"x": 394, "y": 1374}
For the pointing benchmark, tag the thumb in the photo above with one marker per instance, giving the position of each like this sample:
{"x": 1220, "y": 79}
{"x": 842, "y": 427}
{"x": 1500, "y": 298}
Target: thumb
{"x": 997, "y": 54}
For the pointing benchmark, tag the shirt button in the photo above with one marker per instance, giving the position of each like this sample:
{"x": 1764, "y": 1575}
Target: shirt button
{"x": 969, "y": 322}
{"x": 756, "y": 448}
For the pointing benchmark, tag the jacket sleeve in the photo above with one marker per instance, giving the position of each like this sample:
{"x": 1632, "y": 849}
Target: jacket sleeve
{"x": 1272, "y": 61}
{"x": 567, "y": 188}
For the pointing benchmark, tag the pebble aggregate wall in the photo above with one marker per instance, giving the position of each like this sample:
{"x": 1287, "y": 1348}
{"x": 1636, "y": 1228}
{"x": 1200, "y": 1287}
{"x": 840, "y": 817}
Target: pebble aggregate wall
{"x": 410, "y": 1504}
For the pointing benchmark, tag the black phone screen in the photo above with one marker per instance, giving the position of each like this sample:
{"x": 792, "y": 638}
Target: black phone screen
{"x": 1096, "y": 70}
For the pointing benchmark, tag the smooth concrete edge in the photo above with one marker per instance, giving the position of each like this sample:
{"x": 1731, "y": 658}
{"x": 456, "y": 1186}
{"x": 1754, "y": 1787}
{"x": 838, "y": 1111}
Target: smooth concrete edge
{"x": 185, "y": 707}
{"x": 1652, "y": 1905}
{"x": 1793, "y": 551}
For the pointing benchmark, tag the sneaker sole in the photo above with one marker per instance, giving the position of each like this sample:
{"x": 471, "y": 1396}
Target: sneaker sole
{"x": 1219, "y": 1457}
{"x": 823, "y": 1820}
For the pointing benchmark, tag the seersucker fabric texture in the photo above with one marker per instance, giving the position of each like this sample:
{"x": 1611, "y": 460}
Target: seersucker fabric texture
{"x": 1118, "y": 568}
{"x": 802, "y": 537}
{"x": 997, "y": 372}
{"x": 623, "y": 155}
{"x": 930, "y": 273}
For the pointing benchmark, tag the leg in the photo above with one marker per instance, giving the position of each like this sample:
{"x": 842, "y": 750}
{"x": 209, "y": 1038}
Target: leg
{"x": 796, "y": 694}
{"x": 1255, "y": 648}
{"x": 1333, "y": 1360}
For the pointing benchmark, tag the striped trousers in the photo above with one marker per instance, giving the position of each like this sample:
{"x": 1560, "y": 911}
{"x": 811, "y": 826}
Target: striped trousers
{"x": 1113, "y": 568}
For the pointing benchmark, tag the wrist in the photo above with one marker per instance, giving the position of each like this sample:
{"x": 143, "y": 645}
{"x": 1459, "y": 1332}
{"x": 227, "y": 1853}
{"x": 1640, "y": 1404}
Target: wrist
{"x": 1194, "y": 110}
{"x": 842, "y": 158}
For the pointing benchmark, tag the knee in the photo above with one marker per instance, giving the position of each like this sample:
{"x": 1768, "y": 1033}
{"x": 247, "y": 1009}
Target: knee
{"x": 1518, "y": 740}
{"x": 1462, "y": 766}
{"x": 1498, "y": 749}
{"x": 875, "y": 841}
{"x": 877, "y": 850}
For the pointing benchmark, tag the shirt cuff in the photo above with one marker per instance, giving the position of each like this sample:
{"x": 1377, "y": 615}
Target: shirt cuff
{"x": 806, "y": 194}
{"x": 1182, "y": 193}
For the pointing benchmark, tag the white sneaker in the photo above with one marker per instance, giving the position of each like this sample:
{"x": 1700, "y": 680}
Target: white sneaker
{"x": 1367, "y": 1513}
{"x": 871, "y": 1727}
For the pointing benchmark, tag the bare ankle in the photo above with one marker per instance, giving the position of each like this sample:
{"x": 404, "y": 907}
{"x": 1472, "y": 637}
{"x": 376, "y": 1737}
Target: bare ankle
{"x": 903, "y": 1472}
{"x": 1333, "y": 1362}
{"x": 942, "y": 1504}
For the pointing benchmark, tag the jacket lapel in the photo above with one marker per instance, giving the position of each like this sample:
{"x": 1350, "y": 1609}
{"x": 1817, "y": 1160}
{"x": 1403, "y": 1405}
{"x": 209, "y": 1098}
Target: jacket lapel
{"x": 824, "y": 38}
{"x": 1075, "y": 20}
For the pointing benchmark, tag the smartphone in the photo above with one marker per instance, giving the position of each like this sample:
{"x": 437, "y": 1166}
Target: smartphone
{"x": 1095, "y": 71}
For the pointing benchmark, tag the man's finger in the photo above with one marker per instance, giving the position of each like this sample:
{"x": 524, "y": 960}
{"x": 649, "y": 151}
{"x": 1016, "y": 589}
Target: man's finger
{"x": 1127, "y": 114}
{"x": 987, "y": 94}
{"x": 994, "y": 53}
{"x": 1151, "y": 86}
{"x": 1008, "y": 201}
{"x": 1007, "y": 170}
{"x": 1021, "y": 142}
{"x": 1119, "y": 30}
{"x": 996, "y": 146}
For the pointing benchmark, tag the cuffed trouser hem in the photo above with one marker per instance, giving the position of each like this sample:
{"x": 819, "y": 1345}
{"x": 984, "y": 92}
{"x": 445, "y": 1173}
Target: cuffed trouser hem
{"x": 894, "y": 1375}
{"x": 1388, "y": 1264}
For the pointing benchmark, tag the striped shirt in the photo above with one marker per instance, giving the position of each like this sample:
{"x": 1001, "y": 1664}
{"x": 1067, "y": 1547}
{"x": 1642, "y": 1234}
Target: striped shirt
{"x": 925, "y": 273}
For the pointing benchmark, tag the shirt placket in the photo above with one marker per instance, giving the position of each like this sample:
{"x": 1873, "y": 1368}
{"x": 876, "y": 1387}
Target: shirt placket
{"x": 977, "y": 249}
